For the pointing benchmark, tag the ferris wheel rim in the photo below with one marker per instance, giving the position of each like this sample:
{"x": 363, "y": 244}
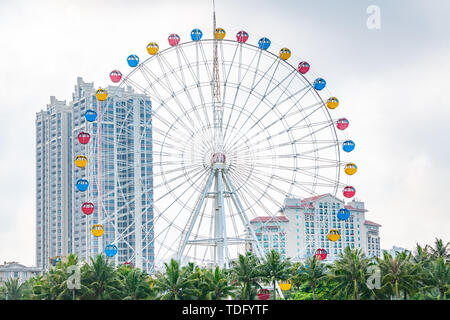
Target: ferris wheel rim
{"x": 124, "y": 83}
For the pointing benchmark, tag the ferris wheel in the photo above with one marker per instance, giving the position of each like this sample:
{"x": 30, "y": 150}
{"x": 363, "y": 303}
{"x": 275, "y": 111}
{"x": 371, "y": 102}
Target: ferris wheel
{"x": 231, "y": 129}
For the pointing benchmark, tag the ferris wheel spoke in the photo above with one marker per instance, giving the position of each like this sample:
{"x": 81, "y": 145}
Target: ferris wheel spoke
{"x": 287, "y": 129}
{"x": 167, "y": 229}
{"x": 249, "y": 94}
{"x": 177, "y": 169}
{"x": 163, "y": 103}
{"x": 302, "y": 171}
{"x": 270, "y": 185}
{"x": 197, "y": 172}
{"x": 199, "y": 47}
{"x": 225, "y": 74}
{"x": 324, "y": 125}
{"x": 297, "y": 183}
{"x": 283, "y": 117}
{"x": 254, "y": 86}
{"x": 256, "y": 199}
{"x": 182, "y": 82}
{"x": 194, "y": 214}
{"x": 299, "y": 168}
{"x": 162, "y": 61}
{"x": 240, "y": 80}
{"x": 180, "y": 211}
{"x": 293, "y": 74}
{"x": 240, "y": 173}
{"x": 196, "y": 234}
{"x": 134, "y": 85}
{"x": 191, "y": 100}
{"x": 184, "y": 174}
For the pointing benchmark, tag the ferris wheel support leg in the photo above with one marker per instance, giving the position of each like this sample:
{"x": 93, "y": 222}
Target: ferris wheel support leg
{"x": 246, "y": 221}
{"x": 221, "y": 231}
{"x": 194, "y": 217}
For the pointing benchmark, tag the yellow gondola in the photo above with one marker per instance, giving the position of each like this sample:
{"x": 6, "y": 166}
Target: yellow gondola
{"x": 152, "y": 48}
{"x": 285, "y": 285}
{"x": 81, "y": 161}
{"x": 285, "y": 53}
{"x": 350, "y": 169}
{"x": 219, "y": 34}
{"x": 334, "y": 235}
{"x": 101, "y": 94}
{"x": 332, "y": 103}
{"x": 97, "y": 230}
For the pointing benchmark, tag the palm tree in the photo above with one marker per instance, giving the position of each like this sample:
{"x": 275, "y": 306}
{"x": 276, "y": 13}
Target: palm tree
{"x": 439, "y": 274}
{"x": 217, "y": 285}
{"x": 313, "y": 273}
{"x": 13, "y": 289}
{"x": 295, "y": 274}
{"x": 175, "y": 284}
{"x": 247, "y": 273}
{"x": 274, "y": 269}
{"x": 133, "y": 284}
{"x": 421, "y": 260}
{"x": 440, "y": 250}
{"x": 397, "y": 273}
{"x": 349, "y": 272}
{"x": 99, "y": 279}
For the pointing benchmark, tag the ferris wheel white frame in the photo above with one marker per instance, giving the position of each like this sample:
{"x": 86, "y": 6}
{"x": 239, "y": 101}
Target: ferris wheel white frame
{"x": 217, "y": 175}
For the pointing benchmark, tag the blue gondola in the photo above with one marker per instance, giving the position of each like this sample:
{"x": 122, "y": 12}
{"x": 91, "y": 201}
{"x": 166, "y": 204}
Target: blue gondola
{"x": 111, "y": 250}
{"x": 196, "y": 35}
{"x": 319, "y": 84}
{"x": 348, "y": 146}
{"x": 133, "y": 60}
{"x": 302, "y": 269}
{"x": 343, "y": 214}
{"x": 90, "y": 115}
{"x": 54, "y": 261}
{"x": 82, "y": 184}
{"x": 264, "y": 43}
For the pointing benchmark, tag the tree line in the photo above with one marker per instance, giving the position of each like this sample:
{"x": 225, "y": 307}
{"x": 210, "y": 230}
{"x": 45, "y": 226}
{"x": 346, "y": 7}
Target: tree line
{"x": 421, "y": 274}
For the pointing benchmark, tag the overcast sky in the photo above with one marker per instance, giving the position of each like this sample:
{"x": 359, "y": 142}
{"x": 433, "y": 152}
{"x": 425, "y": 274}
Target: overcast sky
{"x": 392, "y": 82}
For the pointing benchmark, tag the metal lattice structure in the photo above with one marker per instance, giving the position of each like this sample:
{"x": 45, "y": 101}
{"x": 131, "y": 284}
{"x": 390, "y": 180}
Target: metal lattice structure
{"x": 235, "y": 129}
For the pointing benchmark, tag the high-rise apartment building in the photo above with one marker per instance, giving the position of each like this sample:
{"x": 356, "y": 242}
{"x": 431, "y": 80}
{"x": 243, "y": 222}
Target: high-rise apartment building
{"x": 120, "y": 169}
{"x": 53, "y": 181}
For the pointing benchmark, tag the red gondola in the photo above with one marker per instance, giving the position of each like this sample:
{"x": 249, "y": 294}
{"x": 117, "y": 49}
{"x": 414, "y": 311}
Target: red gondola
{"x": 87, "y": 208}
{"x": 349, "y": 191}
{"x": 174, "y": 39}
{"x": 342, "y": 124}
{"x": 303, "y": 67}
{"x": 115, "y": 76}
{"x": 83, "y": 137}
{"x": 263, "y": 294}
{"x": 242, "y": 36}
{"x": 321, "y": 254}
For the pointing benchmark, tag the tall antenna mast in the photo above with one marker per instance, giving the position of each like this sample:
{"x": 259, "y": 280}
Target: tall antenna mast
{"x": 218, "y": 109}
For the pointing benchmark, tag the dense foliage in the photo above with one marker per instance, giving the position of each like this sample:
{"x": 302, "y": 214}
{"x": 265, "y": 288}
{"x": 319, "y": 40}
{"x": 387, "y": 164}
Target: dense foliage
{"x": 422, "y": 274}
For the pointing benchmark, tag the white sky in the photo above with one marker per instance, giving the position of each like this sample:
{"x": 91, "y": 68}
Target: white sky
{"x": 392, "y": 82}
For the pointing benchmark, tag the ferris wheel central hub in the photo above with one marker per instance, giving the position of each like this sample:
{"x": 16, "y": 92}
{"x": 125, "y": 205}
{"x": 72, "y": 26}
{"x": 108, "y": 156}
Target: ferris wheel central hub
{"x": 218, "y": 157}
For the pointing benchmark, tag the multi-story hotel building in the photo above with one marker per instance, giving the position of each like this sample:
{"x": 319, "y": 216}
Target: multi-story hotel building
{"x": 303, "y": 226}
{"x": 15, "y": 270}
{"x": 125, "y": 207}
